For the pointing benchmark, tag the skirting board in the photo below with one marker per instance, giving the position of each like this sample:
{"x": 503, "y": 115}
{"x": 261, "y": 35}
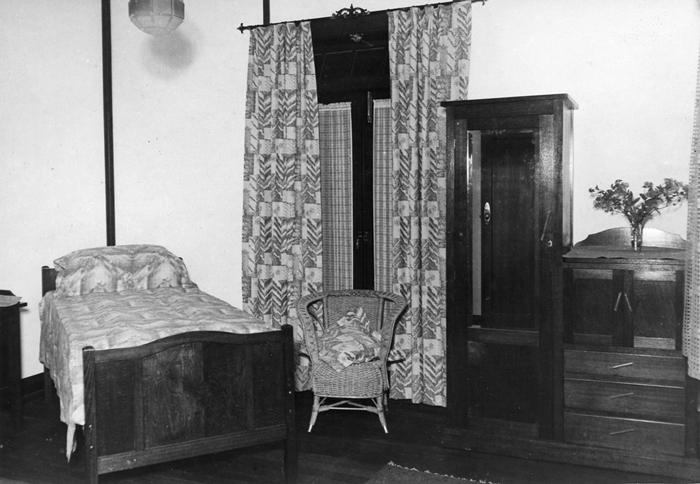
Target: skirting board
{"x": 555, "y": 451}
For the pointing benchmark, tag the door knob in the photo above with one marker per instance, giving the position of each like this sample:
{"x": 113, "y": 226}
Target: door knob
{"x": 486, "y": 217}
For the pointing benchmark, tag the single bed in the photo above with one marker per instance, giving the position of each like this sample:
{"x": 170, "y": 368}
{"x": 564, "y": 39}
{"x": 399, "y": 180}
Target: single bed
{"x": 155, "y": 369}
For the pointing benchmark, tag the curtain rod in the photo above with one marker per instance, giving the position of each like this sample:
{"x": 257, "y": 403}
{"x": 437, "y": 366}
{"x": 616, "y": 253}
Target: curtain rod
{"x": 345, "y": 13}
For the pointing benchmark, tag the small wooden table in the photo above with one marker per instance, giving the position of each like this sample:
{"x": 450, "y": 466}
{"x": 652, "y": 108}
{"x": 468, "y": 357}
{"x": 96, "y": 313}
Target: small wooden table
{"x": 11, "y": 357}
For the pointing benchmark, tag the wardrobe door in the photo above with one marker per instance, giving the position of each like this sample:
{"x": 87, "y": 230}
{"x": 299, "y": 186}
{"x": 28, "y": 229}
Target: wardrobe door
{"x": 504, "y": 371}
{"x": 508, "y": 222}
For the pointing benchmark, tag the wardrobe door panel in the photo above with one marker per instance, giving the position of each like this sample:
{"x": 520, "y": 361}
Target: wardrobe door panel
{"x": 507, "y": 229}
{"x": 503, "y": 382}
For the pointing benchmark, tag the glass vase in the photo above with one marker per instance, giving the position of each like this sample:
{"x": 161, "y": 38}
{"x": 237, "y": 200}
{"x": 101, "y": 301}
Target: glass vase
{"x": 637, "y": 232}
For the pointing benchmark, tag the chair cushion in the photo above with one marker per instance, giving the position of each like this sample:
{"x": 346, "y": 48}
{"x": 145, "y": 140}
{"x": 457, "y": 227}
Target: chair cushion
{"x": 349, "y": 341}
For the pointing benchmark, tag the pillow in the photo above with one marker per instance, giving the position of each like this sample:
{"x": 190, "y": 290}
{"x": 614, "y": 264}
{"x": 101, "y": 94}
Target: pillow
{"x": 155, "y": 266}
{"x": 355, "y": 319}
{"x": 88, "y": 275}
{"x": 119, "y": 255}
{"x": 161, "y": 272}
{"x": 119, "y": 268}
{"x": 350, "y": 341}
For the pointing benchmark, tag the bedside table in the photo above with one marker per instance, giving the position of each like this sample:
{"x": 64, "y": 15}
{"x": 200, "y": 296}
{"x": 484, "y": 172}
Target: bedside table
{"x": 11, "y": 357}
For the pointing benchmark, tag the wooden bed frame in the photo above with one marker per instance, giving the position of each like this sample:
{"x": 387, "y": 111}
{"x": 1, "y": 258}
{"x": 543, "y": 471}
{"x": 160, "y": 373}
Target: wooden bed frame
{"x": 186, "y": 395}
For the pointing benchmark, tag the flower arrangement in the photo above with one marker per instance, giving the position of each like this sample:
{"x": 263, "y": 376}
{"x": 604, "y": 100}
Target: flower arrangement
{"x": 639, "y": 209}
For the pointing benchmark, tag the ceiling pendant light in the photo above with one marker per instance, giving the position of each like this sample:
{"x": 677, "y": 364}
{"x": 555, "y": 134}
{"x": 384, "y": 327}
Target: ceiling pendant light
{"x": 157, "y": 17}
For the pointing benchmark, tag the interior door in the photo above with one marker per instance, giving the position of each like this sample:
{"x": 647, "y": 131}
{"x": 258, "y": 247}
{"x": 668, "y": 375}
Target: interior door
{"x": 505, "y": 361}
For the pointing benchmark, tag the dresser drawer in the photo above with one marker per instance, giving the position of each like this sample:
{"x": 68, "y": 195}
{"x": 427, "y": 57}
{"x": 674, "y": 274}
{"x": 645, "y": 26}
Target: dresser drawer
{"x": 640, "y": 436}
{"x": 636, "y": 366}
{"x": 657, "y": 402}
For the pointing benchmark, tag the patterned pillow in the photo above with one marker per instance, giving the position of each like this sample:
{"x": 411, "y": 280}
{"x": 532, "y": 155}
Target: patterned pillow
{"x": 119, "y": 268}
{"x": 91, "y": 274}
{"x": 69, "y": 283}
{"x": 350, "y": 341}
{"x": 355, "y": 319}
{"x": 162, "y": 272}
{"x": 118, "y": 255}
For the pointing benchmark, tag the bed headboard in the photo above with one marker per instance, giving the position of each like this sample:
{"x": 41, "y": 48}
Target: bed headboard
{"x": 48, "y": 279}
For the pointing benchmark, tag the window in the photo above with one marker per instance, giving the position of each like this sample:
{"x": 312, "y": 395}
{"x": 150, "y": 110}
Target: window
{"x": 353, "y": 84}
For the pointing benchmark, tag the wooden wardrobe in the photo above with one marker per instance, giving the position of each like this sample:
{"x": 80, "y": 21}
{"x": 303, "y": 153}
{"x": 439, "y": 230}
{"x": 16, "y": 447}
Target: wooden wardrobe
{"x": 553, "y": 353}
{"x": 509, "y": 222}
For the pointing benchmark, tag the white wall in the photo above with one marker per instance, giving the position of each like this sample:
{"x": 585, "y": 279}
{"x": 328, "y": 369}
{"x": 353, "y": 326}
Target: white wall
{"x": 51, "y": 168}
{"x": 178, "y": 118}
{"x": 630, "y": 65}
{"x": 178, "y": 127}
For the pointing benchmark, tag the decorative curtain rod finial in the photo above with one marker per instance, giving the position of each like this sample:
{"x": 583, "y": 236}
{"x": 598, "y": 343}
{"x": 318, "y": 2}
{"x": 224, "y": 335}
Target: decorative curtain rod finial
{"x": 350, "y": 11}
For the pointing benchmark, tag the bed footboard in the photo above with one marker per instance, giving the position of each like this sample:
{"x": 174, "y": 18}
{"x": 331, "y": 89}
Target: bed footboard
{"x": 187, "y": 395}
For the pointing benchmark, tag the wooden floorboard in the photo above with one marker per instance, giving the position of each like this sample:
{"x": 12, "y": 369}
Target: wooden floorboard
{"x": 344, "y": 448}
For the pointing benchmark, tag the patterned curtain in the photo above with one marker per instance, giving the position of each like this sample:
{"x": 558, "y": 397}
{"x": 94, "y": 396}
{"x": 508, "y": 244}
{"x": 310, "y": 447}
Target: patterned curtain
{"x": 429, "y": 63}
{"x": 282, "y": 235}
{"x": 691, "y": 323}
{"x": 335, "y": 130}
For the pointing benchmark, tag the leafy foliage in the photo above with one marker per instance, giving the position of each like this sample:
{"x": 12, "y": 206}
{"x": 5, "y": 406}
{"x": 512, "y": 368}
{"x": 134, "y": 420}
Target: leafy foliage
{"x": 639, "y": 209}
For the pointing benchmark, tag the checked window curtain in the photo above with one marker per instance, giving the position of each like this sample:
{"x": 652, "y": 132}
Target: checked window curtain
{"x": 691, "y": 323}
{"x": 335, "y": 151}
{"x": 382, "y": 196}
{"x": 429, "y": 62}
{"x": 282, "y": 237}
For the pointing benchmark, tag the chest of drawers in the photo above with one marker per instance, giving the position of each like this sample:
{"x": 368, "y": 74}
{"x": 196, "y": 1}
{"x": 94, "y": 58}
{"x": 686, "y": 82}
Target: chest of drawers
{"x": 624, "y": 374}
{"x": 625, "y": 398}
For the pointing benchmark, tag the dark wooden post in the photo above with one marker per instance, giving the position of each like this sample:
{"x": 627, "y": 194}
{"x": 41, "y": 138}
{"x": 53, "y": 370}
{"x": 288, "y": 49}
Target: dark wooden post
{"x": 291, "y": 451}
{"x": 266, "y": 12}
{"x": 90, "y": 427}
{"x": 107, "y": 114}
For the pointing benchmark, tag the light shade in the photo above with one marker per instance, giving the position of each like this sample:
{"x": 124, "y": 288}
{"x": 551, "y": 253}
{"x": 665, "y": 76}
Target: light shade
{"x": 157, "y": 17}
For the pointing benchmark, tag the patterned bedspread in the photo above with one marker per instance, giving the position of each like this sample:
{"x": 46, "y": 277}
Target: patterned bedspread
{"x": 122, "y": 319}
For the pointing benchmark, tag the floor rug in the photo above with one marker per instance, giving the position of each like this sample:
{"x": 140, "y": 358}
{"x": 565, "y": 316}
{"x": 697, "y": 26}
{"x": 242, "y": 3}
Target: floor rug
{"x": 394, "y": 473}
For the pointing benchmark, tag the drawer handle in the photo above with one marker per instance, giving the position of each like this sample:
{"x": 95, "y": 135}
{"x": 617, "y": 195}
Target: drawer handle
{"x": 621, "y": 432}
{"x": 627, "y": 301}
{"x": 621, "y": 395}
{"x": 629, "y": 306}
{"x": 622, "y": 365}
{"x": 617, "y": 301}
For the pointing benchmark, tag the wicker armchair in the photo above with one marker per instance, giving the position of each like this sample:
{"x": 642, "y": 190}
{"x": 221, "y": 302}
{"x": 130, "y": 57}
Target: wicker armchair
{"x": 365, "y": 381}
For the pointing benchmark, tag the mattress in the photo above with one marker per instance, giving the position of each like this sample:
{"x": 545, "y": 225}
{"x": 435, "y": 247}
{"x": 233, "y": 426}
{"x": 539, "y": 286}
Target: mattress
{"x": 123, "y": 319}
